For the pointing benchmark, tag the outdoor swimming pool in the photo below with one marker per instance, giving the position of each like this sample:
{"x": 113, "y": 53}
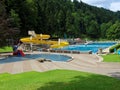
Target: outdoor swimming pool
{"x": 52, "y": 57}
{"x": 89, "y": 47}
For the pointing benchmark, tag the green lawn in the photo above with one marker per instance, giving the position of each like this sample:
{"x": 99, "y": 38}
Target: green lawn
{"x": 111, "y": 58}
{"x": 6, "y": 49}
{"x": 58, "y": 80}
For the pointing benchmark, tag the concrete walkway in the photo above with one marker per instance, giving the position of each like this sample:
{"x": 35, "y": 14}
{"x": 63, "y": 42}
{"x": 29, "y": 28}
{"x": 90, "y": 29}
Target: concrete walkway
{"x": 80, "y": 62}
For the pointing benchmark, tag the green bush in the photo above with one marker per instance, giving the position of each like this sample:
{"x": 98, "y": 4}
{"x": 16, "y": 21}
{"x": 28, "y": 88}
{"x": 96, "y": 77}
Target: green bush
{"x": 117, "y": 46}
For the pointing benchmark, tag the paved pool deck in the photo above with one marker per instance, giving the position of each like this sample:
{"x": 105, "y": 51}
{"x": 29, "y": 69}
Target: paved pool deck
{"x": 81, "y": 62}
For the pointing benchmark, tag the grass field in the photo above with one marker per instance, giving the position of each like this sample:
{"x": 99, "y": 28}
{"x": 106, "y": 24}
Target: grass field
{"x": 58, "y": 80}
{"x": 6, "y": 49}
{"x": 111, "y": 58}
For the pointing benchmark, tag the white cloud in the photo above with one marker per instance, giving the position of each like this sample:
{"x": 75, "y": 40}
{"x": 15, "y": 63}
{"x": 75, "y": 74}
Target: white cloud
{"x": 94, "y": 1}
{"x": 115, "y": 6}
{"x": 99, "y": 5}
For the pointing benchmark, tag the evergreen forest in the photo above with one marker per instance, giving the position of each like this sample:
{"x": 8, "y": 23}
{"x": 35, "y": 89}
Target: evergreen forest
{"x": 59, "y": 18}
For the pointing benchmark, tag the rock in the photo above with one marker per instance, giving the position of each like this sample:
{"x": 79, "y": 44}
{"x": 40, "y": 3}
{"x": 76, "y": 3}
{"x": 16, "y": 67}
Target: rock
{"x": 41, "y": 60}
{"x": 48, "y": 60}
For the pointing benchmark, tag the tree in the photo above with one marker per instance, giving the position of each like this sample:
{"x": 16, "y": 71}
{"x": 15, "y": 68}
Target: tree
{"x": 7, "y": 31}
{"x": 103, "y": 28}
{"x": 59, "y": 17}
{"x": 15, "y": 20}
{"x": 114, "y": 31}
{"x": 93, "y": 30}
{"x": 26, "y": 11}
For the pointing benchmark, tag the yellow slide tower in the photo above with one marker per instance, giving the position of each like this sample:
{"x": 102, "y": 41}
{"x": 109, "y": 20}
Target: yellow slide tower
{"x": 42, "y": 39}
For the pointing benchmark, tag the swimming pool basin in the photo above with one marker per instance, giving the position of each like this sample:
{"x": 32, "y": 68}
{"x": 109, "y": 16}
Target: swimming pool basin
{"x": 89, "y": 46}
{"x": 52, "y": 57}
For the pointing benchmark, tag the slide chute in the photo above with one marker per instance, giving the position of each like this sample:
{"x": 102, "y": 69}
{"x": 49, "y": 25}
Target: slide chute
{"x": 43, "y": 39}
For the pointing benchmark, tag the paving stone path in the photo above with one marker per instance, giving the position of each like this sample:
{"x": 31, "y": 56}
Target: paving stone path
{"x": 81, "y": 62}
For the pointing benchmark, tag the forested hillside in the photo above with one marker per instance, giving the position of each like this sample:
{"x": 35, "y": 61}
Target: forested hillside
{"x": 62, "y": 18}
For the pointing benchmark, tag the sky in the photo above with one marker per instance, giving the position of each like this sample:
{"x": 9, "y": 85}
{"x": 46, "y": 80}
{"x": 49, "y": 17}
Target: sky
{"x": 113, "y": 5}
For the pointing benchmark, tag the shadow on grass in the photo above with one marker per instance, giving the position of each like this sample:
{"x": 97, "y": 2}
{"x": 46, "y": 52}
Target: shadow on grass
{"x": 91, "y": 82}
{"x": 115, "y": 74}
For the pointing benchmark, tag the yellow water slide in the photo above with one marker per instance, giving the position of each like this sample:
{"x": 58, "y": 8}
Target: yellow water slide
{"x": 42, "y": 39}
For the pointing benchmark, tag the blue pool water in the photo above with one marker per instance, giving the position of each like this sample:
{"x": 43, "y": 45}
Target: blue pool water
{"x": 53, "y": 57}
{"x": 89, "y": 47}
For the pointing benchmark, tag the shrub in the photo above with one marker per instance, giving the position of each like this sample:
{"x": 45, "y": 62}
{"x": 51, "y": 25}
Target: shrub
{"x": 117, "y": 46}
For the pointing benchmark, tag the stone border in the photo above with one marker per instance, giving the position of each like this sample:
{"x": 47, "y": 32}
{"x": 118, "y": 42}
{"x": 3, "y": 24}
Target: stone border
{"x": 66, "y": 51}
